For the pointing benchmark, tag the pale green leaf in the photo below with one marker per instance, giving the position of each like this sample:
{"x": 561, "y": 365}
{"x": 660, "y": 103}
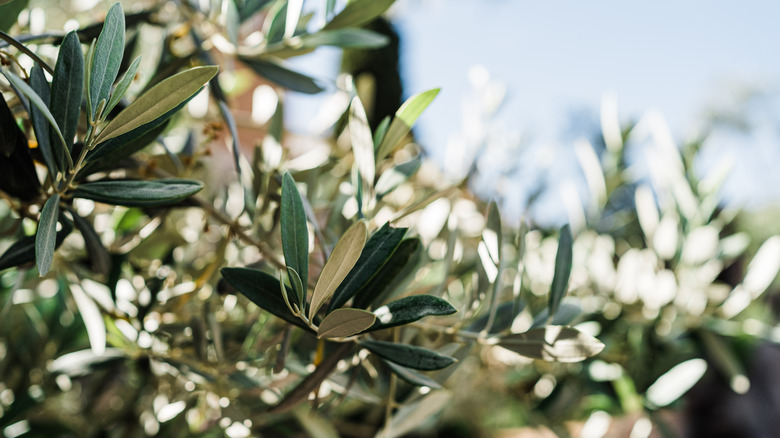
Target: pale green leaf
{"x": 345, "y": 322}
{"x": 123, "y": 85}
{"x": 346, "y": 38}
{"x": 107, "y": 57}
{"x": 340, "y": 262}
{"x": 46, "y": 236}
{"x": 358, "y": 12}
{"x": 553, "y": 343}
{"x": 362, "y": 143}
{"x": 404, "y": 120}
{"x": 158, "y": 101}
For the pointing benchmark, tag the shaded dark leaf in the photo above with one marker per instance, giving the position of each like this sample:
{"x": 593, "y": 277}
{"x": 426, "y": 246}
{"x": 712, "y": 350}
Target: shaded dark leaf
{"x": 283, "y": 76}
{"x": 400, "y": 264}
{"x": 505, "y": 316}
{"x": 417, "y": 358}
{"x": 563, "y": 265}
{"x": 553, "y": 343}
{"x": 46, "y": 235}
{"x": 9, "y": 12}
{"x": 138, "y": 193}
{"x": 98, "y": 254}
{"x": 23, "y": 250}
{"x": 295, "y": 233}
{"x": 249, "y": 8}
{"x": 67, "y": 87}
{"x": 17, "y": 171}
{"x": 410, "y": 309}
{"x": 412, "y": 376}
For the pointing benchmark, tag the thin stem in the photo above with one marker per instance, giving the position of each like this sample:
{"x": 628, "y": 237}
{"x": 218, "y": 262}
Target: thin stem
{"x": 22, "y": 48}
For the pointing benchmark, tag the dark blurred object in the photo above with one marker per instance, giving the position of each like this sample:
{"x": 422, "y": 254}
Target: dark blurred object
{"x": 17, "y": 171}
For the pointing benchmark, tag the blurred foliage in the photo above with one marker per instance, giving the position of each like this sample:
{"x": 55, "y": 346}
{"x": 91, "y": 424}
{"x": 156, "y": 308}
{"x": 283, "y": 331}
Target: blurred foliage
{"x": 186, "y": 267}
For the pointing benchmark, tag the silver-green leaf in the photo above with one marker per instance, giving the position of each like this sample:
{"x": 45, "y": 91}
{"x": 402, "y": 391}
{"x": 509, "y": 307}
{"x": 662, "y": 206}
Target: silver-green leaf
{"x": 346, "y": 322}
{"x": 138, "y": 193}
{"x": 107, "y": 57}
{"x": 46, "y": 236}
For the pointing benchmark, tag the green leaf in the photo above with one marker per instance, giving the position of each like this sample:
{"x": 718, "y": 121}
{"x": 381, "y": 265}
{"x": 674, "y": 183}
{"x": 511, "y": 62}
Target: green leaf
{"x": 563, "y": 265}
{"x": 400, "y": 264}
{"x": 362, "y": 144}
{"x": 138, "y": 193}
{"x": 417, "y": 358}
{"x": 378, "y": 250}
{"x": 55, "y": 161}
{"x": 249, "y": 8}
{"x": 283, "y": 76}
{"x": 491, "y": 244}
{"x": 342, "y": 323}
{"x": 232, "y": 20}
{"x": 404, "y": 120}
{"x": 97, "y": 252}
{"x": 411, "y": 309}
{"x": 158, "y": 101}
{"x": 263, "y": 290}
{"x": 123, "y": 85}
{"x": 297, "y": 285}
{"x": 380, "y": 132}
{"x": 107, "y": 58}
{"x": 295, "y": 233}
{"x": 358, "y": 12}
{"x": 505, "y": 316}
{"x": 35, "y": 100}
{"x": 46, "y": 235}
{"x": 338, "y": 265}
{"x": 346, "y": 38}
{"x": 67, "y": 87}
{"x": 112, "y": 152}
{"x": 9, "y": 12}
{"x": 553, "y": 343}
{"x": 23, "y": 250}
{"x": 566, "y": 314}
{"x": 394, "y": 177}
{"x": 412, "y": 376}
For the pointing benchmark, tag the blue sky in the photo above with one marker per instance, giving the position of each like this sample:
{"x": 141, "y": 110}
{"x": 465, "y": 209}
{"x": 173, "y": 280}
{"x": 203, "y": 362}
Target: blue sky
{"x": 559, "y": 57}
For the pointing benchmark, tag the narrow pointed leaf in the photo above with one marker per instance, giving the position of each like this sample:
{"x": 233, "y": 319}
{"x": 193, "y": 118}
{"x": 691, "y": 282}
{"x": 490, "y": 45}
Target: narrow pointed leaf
{"x": 112, "y": 152}
{"x": 263, "y": 290}
{"x": 23, "y": 250}
{"x": 295, "y": 233}
{"x": 338, "y": 265}
{"x": 158, "y": 101}
{"x": 505, "y": 316}
{"x": 380, "y": 132}
{"x": 346, "y": 38}
{"x": 97, "y": 252}
{"x": 123, "y": 85}
{"x": 358, "y": 12}
{"x": 283, "y": 76}
{"x": 107, "y": 57}
{"x": 138, "y": 193}
{"x": 404, "y": 120}
{"x": 400, "y": 265}
{"x": 567, "y": 313}
{"x": 52, "y": 155}
{"x": 417, "y": 358}
{"x": 553, "y": 343}
{"x": 563, "y": 265}
{"x": 410, "y": 309}
{"x": 35, "y": 100}
{"x": 394, "y": 177}
{"x": 67, "y": 88}
{"x": 362, "y": 143}
{"x": 9, "y": 12}
{"x": 342, "y": 323}
{"x": 46, "y": 236}
{"x": 378, "y": 250}
{"x": 248, "y": 8}
{"x": 298, "y": 288}
{"x": 412, "y": 376}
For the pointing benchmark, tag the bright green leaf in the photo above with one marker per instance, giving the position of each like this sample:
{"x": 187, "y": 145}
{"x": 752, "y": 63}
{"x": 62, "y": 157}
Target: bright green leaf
{"x": 417, "y": 358}
{"x": 410, "y": 309}
{"x": 404, "y": 120}
{"x": 346, "y": 322}
{"x": 358, "y": 12}
{"x": 553, "y": 343}
{"x": 67, "y": 87}
{"x": 123, "y": 85}
{"x": 158, "y": 101}
{"x": 563, "y": 265}
{"x": 338, "y": 265}
{"x": 378, "y": 250}
{"x": 346, "y": 38}
{"x": 295, "y": 233}
{"x": 107, "y": 57}
{"x": 138, "y": 193}
{"x": 46, "y": 236}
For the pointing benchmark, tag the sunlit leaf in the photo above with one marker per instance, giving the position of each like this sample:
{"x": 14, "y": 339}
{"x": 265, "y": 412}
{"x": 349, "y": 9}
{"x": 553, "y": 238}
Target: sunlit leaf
{"x": 358, "y": 12}
{"x": 345, "y": 322}
{"x": 378, "y": 250}
{"x": 295, "y": 234}
{"x": 107, "y": 58}
{"x": 138, "y": 193}
{"x": 338, "y": 265}
{"x": 676, "y": 382}
{"x": 563, "y": 265}
{"x": 346, "y": 38}
{"x": 395, "y": 176}
{"x": 263, "y": 290}
{"x": 410, "y": 309}
{"x": 158, "y": 101}
{"x": 412, "y": 376}
{"x": 417, "y": 358}
{"x": 67, "y": 87}
{"x": 283, "y": 76}
{"x": 362, "y": 144}
{"x": 123, "y": 84}
{"x": 93, "y": 320}
{"x": 553, "y": 343}
{"x": 404, "y": 120}
{"x": 46, "y": 236}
